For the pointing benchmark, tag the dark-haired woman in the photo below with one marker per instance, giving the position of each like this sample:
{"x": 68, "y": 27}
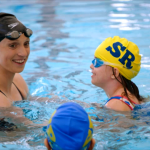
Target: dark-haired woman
{"x": 116, "y": 62}
{"x": 14, "y": 52}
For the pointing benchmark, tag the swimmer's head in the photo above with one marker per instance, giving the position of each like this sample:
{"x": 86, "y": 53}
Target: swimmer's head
{"x": 70, "y": 127}
{"x": 11, "y": 28}
{"x": 122, "y": 54}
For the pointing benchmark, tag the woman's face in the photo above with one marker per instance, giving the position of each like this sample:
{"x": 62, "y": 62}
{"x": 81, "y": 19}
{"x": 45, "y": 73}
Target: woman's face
{"x": 14, "y": 54}
{"x": 101, "y": 75}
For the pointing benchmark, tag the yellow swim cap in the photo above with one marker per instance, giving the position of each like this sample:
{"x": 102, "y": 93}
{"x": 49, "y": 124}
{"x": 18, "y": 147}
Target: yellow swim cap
{"x": 122, "y": 54}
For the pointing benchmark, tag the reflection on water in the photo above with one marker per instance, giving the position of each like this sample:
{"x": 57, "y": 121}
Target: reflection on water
{"x": 113, "y": 130}
{"x": 66, "y": 34}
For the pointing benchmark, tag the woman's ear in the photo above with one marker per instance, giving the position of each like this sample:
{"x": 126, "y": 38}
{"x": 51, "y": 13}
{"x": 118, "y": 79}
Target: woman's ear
{"x": 46, "y": 144}
{"x": 115, "y": 73}
{"x": 92, "y": 144}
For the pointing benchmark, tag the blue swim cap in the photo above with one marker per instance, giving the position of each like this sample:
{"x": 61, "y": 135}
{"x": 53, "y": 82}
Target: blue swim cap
{"x": 69, "y": 128}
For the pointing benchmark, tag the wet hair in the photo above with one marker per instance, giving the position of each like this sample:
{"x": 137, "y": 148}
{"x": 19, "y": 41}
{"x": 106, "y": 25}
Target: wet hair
{"x": 6, "y": 126}
{"x": 130, "y": 86}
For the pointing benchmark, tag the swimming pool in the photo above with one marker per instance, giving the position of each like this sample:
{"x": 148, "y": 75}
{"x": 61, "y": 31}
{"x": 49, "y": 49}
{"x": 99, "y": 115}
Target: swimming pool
{"x": 66, "y": 34}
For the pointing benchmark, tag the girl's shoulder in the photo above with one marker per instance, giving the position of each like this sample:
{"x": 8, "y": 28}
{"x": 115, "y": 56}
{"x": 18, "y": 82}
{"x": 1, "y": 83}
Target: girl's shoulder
{"x": 120, "y": 103}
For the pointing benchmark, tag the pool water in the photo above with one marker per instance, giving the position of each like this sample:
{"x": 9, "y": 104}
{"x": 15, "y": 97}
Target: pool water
{"x": 66, "y": 34}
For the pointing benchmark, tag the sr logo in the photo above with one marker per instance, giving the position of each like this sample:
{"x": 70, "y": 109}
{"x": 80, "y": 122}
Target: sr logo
{"x": 127, "y": 56}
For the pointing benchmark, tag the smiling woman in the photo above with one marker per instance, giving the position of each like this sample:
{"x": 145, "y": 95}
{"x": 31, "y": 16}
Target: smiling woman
{"x": 14, "y": 52}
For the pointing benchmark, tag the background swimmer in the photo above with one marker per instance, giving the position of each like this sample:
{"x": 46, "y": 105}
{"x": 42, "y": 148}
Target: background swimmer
{"x": 116, "y": 62}
{"x": 14, "y": 52}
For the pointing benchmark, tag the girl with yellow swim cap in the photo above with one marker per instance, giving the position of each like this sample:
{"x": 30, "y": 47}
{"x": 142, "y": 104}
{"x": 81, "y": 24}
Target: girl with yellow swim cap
{"x": 116, "y": 62}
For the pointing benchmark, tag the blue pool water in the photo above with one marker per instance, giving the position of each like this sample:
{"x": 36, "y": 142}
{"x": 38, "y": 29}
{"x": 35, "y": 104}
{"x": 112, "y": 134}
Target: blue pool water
{"x": 66, "y": 34}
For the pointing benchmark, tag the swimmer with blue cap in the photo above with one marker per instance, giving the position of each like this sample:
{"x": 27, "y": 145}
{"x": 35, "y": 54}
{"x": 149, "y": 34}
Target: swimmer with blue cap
{"x": 69, "y": 128}
{"x": 116, "y": 62}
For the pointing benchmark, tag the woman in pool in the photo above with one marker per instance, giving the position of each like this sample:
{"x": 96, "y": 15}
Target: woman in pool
{"x": 116, "y": 62}
{"x": 14, "y": 52}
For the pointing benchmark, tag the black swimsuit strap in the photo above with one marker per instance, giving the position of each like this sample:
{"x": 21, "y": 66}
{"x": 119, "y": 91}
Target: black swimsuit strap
{"x": 18, "y": 91}
{"x": 3, "y": 93}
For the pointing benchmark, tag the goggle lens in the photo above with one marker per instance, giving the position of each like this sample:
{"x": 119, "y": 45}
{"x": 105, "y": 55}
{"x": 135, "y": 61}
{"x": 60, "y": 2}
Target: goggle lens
{"x": 13, "y": 35}
{"x": 97, "y": 62}
{"x": 28, "y": 33}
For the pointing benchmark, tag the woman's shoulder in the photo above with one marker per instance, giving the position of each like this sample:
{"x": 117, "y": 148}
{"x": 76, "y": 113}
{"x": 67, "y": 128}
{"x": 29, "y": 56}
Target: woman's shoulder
{"x": 117, "y": 105}
{"x": 21, "y": 84}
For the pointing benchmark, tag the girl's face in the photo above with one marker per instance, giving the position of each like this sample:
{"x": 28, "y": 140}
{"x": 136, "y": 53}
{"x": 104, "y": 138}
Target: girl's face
{"x": 101, "y": 75}
{"x": 14, "y": 54}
